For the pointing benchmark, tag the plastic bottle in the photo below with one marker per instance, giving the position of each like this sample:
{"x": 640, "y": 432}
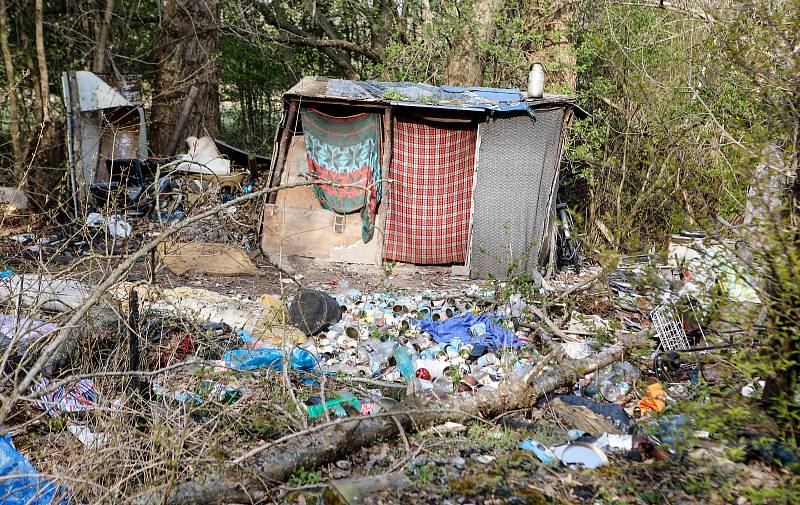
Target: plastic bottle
{"x": 614, "y": 391}
{"x": 334, "y": 407}
{"x": 443, "y": 385}
{"x": 404, "y": 363}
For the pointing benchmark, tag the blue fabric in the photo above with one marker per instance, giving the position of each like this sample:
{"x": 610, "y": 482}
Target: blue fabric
{"x": 252, "y": 359}
{"x": 496, "y": 336}
{"x": 29, "y": 488}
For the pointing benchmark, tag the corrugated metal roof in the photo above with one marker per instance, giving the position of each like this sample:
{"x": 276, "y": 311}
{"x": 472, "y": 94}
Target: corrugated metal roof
{"x": 410, "y": 94}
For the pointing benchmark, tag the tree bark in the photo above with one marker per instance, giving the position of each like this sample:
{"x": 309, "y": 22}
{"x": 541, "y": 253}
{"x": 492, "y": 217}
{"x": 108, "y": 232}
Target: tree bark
{"x": 558, "y": 51}
{"x": 186, "y": 56}
{"x": 41, "y": 61}
{"x": 466, "y": 64}
{"x": 102, "y": 40}
{"x": 11, "y": 92}
{"x": 314, "y": 448}
{"x": 328, "y": 27}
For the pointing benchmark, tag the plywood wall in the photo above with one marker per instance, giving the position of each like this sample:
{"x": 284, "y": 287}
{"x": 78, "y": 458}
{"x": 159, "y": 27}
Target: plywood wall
{"x": 298, "y": 225}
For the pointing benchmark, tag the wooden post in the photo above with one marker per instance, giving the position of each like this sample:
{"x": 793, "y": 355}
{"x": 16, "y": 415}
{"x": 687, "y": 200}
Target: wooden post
{"x": 386, "y": 158}
{"x": 252, "y": 166}
{"x": 79, "y": 178}
{"x": 280, "y": 157}
{"x": 180, "y": 126}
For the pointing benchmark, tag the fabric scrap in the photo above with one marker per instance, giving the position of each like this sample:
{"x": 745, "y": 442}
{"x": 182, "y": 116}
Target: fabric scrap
{"x": 496, "y": 336}
{"x": 517, "y": 170}
{"x": 428, "y": 216}
{"x": 347, "y": 152}
{"x": 206, "y": 258}
{"x": 78, "y": 397}
{"x": 24, "y": 328}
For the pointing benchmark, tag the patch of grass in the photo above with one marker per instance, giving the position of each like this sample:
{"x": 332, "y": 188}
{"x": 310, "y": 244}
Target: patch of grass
{"x": 772, "y": 496}
{"x": 423, "y": 474}
{"x": 697, "y": 486}
{"x": 303, "y": 477}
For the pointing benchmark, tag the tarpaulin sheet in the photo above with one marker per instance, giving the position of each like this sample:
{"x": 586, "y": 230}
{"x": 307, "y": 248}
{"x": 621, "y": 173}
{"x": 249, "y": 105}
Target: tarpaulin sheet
{"x": 346, "y": 151}
{"x": 496, "y": 336}
{"x": 517, "y": 170}
{"x": 428, "y": 213}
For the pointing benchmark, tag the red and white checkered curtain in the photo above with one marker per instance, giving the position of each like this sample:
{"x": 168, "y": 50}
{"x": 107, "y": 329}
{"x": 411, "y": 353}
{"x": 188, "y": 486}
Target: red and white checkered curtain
{"x": 428, "y": 216}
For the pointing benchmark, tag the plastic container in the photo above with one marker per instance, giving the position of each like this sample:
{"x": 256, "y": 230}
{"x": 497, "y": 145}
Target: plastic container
{"x": 334, "y": 406}
{"x": 404, "y": 363}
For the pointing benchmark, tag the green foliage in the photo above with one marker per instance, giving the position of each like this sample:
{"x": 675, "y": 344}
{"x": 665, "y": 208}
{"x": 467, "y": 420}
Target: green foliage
{"x": 303, "y": 477}
{"x": 650, "y": 155}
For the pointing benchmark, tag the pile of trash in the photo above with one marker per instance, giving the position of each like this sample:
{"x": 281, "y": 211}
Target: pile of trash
{"x": 208, "y": 350}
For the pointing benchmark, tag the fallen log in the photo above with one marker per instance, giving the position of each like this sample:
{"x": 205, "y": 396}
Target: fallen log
{"x": 276, "y": 461}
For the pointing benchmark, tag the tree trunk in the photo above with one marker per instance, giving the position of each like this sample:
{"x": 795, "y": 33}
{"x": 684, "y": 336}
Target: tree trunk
{"x": 25, "y": 48}
{"x": 558, "y": 51}
{"x": 102, "y": 39}
{"x": 186, "y": 56}
{"x": 385, "y": 24}
{"x": 13, "y": 111}
{"x": 44, "y": 80}
{"x": 466, "y": 64}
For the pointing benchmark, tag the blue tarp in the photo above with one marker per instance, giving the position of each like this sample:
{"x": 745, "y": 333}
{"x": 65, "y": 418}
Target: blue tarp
{"x": 496, "y": 336}
{"x": 20, "y": 484}
{"x": 503, "y": 99}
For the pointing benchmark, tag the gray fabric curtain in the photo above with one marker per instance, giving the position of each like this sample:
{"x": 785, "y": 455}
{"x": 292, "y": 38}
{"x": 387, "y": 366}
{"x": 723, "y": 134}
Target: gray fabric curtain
{"x": 517, "y": 166}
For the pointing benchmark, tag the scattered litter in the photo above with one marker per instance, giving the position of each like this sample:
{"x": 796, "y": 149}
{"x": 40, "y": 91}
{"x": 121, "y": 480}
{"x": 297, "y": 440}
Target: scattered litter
{"x": 88, "y": 438}
{"x": 542, "y": 452}
{"x": 20, "y": 332}
{"x": 491, "y": 333}
{"x": 313, "y": 311}
{"x": 616, "y": 419}
{"x": 78, "y": 397}
{"x": 577, "y": 349}
{"x": 357, "y": 491}
{"x": 581, "y": 454}
{"x": 653, "y": 400}
{"x": 203, "y": 158}
{"x": 12, "y": 200}
{"x": 253, "y": 359}
{"x": 669, "y": 329}
{"x": 338, "y": 407}
{"x": 613, "y": 442}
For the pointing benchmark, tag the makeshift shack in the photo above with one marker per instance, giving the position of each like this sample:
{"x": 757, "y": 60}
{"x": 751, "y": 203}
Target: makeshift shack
{"x": 106, "y": 134}
{"x": 416, "y": 173}
{"x": 110, "y": 171}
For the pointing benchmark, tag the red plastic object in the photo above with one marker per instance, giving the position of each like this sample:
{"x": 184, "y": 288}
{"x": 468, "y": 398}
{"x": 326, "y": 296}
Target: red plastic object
{"x": 423, "y": 373}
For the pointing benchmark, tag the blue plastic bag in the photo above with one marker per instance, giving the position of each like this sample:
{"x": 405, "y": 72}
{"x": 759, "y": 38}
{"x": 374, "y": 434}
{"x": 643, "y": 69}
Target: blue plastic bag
{"x": 29, "y": 488}
{"x": 252, "y": 359}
